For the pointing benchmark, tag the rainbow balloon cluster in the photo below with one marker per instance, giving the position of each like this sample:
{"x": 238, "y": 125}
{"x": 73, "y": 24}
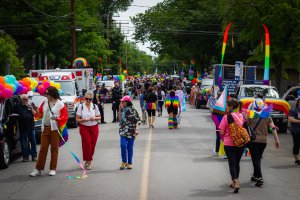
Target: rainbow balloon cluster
{"x": 9, "y": 86}
{"x": 119, "y": 78}
{"x": 42, "y": 85}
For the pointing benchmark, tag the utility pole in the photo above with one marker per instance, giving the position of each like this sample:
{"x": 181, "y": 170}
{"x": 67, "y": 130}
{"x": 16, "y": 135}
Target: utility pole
{"x": 107, "y": 34}
{"x": 73, "y": 30}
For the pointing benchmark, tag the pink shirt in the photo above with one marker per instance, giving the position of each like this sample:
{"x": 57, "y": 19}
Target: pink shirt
{"x": 238, "y": 118}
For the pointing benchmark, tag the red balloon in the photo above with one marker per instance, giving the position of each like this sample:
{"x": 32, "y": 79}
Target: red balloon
{"x": 25, "y": 90}
{"x": 7, "y": 93}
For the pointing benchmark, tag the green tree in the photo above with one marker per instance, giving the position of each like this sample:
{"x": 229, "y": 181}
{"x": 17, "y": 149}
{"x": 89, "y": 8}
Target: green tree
{"x": 8, "y": 50}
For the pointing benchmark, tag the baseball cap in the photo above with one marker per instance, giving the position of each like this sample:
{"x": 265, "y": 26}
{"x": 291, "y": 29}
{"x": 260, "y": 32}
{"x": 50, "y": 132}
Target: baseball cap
{"x": 126, "y": 98}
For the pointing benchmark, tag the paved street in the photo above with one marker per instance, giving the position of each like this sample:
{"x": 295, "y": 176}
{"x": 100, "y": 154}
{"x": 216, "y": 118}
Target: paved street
{"x": 168, "y": 164}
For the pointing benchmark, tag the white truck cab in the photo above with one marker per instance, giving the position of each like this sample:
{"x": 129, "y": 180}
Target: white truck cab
{"x": 73, "y": 83}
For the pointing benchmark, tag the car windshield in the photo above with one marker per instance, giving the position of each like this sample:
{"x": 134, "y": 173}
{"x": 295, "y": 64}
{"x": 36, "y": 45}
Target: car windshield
{"x": 68, "y": 88}
{"x": 38, "y": 100}
{"x": 252, "y": 92}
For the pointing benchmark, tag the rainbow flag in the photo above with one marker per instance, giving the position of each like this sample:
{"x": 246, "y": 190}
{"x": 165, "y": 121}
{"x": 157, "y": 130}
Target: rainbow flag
{"x": 150, "y": 106}
{"x": 267, "y": 55}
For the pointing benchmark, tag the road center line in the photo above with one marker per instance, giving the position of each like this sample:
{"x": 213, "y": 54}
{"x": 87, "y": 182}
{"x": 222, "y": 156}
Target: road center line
{"x": 146, "y": 166}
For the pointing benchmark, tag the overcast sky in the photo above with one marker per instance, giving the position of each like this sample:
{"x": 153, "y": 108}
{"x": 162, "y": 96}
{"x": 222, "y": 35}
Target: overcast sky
{"x": 137, "y": 7}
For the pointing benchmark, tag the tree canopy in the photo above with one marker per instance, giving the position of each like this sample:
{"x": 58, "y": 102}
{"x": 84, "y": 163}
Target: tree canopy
{"x": 193, "y": 29}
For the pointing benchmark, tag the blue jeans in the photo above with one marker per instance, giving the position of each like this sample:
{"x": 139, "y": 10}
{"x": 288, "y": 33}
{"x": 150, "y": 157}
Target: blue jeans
{"x": 126, "y": 149}
{"x": 28, "y": 143}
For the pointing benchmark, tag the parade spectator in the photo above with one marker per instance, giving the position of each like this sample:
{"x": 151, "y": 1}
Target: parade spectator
{"x": 161, "y": 99}
{"x": 173, "y": 108}
{"x": 294, "y": 119}
{"x": 128, "y": 130}
{"x": 53, "y": 111}
{"x": 97, "y": 100}
{"x": 151, "y": 104}
{"x": 234, "y": 153}
{"x": 260, "y": 126}
{"x": 103, "y": 94}
{"x": 142, "y": 105}
{"x": 26, "y": 113}
{"x": 88, "y": 116}
{"x": 116, "y": 96}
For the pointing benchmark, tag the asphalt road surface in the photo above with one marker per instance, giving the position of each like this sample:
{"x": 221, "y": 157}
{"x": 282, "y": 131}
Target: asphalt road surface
{"x": 168, "y": 164}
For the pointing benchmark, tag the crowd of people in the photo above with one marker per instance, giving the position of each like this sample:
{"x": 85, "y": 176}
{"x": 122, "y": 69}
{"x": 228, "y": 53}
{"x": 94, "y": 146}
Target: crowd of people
{"x": 153, "y": 97}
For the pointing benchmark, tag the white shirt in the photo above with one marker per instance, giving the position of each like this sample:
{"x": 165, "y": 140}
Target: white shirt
{"x": 84, "y": 112}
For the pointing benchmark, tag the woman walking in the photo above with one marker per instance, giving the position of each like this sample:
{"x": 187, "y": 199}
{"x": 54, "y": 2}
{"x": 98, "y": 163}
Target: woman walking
{"x": 151, "y": 104}
{"x": 294, "y": 119}
{"x": 161, "y": 98}
{"x": 128, "y": 130}
{"x": 234, "y": 153}
{"x": 260, "y": 126}
{"x": 173, "y": 108}
{"x": 53, "y": 112}
{"x": 88, "y": 116}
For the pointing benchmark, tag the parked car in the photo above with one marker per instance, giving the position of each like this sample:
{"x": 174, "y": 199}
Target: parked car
{"x": 38, "y": 100}
{"x": 269, "y": 92}
{"x": 292, "y": 95}
{"x": 9, "y": 131}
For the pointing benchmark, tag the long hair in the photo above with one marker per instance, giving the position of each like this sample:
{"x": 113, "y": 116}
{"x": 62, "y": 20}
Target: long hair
{"x": 53, "y": 92}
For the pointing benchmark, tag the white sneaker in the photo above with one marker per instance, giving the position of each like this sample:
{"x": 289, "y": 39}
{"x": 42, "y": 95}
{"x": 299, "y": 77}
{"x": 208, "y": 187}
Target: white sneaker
{"x": 35, "y": 173}
{"x": 52, "y": 173}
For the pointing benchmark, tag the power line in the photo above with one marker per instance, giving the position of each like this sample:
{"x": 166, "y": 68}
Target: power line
{"x": 36, "y": 9}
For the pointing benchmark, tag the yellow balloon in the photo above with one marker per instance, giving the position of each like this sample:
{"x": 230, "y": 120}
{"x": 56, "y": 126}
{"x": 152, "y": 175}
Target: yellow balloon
{"x": 57, "y": 85}
{"x": 52, "y": 83}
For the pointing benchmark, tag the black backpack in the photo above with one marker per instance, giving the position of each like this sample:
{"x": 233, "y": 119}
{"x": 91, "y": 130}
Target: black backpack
{"x": 94, "y": 98}
{"x": 159, "y": 96}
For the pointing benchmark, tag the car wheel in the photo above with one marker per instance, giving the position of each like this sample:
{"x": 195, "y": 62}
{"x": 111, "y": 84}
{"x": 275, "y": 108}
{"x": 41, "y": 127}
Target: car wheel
{"x": 4, "y": 154}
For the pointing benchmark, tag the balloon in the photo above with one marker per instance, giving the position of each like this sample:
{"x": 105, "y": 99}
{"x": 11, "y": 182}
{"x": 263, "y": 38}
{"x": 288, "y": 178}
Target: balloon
{"x": 7, "y": 93}
{"x": 26, "y": 82}
{"x": 14, "y": 87}
{"x": 34, "y": 82}
{"x": 46, "y": 84}
{"x": 19, "y": 89}
{"x": 1, "y": 87}
{"x": 25, "y": 90}
{"x": 2, "y": 80}
{"x": 40, "y": 87}
{"x": 52, "y": 83}
{"x": 60, "y": 91}
{"x": 8, "y": 86}
{"x": 57, "y": 86}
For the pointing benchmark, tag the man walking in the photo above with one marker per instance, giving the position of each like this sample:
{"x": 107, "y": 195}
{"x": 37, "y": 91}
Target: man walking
{"x": 26, "y": 123}
{"x": 116, "y": 96}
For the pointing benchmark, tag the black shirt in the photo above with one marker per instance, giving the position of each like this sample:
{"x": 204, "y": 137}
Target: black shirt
{"x": 116, "y": 93}
{"x": 151, "y": 97}
{"x": 26, "y": 120}
{"x": 295, "y": 127}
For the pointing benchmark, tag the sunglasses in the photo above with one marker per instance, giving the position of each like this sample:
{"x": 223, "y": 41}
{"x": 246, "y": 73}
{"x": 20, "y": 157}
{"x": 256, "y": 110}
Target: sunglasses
{"x": 88, "y": 99}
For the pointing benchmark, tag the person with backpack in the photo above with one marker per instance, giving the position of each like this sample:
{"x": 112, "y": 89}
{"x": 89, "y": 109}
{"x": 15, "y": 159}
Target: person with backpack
{"x": 150, "y": 102}
{"x": 98, "y": 100}
{"x": 87, "y": 116}
{"x": 232, "y": 122}
{"x": 260, "y": 124}
{"x": 116, "y": 96}
{"x": 173, "y": 108}
{"x": 128, "y": 130}
{"x": 143, "y": 109}
{"x": 161, "y": 99}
